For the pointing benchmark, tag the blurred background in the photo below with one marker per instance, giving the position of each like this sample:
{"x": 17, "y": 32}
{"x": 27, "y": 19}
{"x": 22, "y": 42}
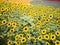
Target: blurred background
{"x": 55, "y": 3}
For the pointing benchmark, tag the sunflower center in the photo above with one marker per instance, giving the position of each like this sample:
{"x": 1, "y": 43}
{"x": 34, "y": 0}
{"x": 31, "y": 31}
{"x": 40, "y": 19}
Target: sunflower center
{"x": 8, "y": 24}
{"x": 25, "y": 28}
{"x": 57, "y": 33}
{"x": 52, "y": 36}
{"x": 3, "y": 21}
{"x": 39, "y": 37}
{"x": 46, "y": 36}
{"x": 57, "y": 42}
{"x": 23, "y": 40}
{"x": 9, "y": 42}
{"x": 11, "y": 30}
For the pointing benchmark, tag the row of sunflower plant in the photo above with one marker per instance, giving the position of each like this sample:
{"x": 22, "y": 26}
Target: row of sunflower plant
{"x": 29, "y": 24}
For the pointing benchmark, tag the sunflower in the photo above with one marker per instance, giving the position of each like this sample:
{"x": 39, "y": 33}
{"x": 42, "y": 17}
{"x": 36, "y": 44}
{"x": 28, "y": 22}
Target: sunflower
{"x": 43, "y": 31}
{"x": 9, "y": 24}
{"x": 57, "y": 33}
{"x": 23, "y": 40}
{"x": 4, "y": 22}
{"x": 21, "y": 35}
{"x": 44, "y": 15}
{"x": 39, "y": 22}
{"x": 2, "y": 9}
{"x": 47, "y": 20}
{"x": 29, "y": 14}
{"x": 52, "y": 37}
{"x": 9, "y": 42}
{"x": 46, "y": 37}
{"x": 12, "y": 30}
{"x": 34, "y": 39}
{"x": 14, "y": 24}
{"x": 36, "y": 14}
{"x": 6, "y": 9}
{"x": 37, "y": 26}
{"x": 40, "y": 38}
{"x": 47, "y": 43}
{"x": 18, "y": 43}
{"x": 57, "y": 42}
{"x": 50, "y": 16}
{"x": 28, "y": 36}
{"x": 46, "y": 25}
{"x": 58, "y": 21}
{"x": 17, "y": 37}
{"x": 25, "y": 29}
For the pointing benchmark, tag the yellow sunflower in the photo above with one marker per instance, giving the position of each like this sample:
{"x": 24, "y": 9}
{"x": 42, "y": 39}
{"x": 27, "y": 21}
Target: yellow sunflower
{"x": 57, "y": 33}
{"x": 34, "y": 39}
{"x": 37, "y": 26}
{"x": 9, "y": 24}
{"x": 57, "y": 42}
{"x": 21, "y": 35}
{"x": 58, "y": 21}
{"x": 2, "y": 9}
{"x": 43, "y": 31}
{"x": 4, "y": 21}
{"x": 17, "y": 37}
{"x": 9, "y": 42}
{"x": 6, "y": 9}
{"x": 52, "y": 37}
{"x": 44, "y": 15}
{"x": 50, "y": 16}
{"x": 36, "y": 14}
{"x": 40, "y": 38}
{"x": 23, "y": 40}
{"x": 14, "y": 24}
{"x": 47, "y": 43}
{"x": 28, "y": 36}
{"x": 47, "y": 20}
{"x": 18, "y": 43}
{"x": 12, "y": 30}
{"x": 46, "y": 37}
{"x": 25, "y": 29}
{"x": 29, "y": 14}
{"x": 39, "y": 22}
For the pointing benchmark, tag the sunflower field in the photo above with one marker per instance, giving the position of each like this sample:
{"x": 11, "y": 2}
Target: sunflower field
{"x": 29, "y": 24}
